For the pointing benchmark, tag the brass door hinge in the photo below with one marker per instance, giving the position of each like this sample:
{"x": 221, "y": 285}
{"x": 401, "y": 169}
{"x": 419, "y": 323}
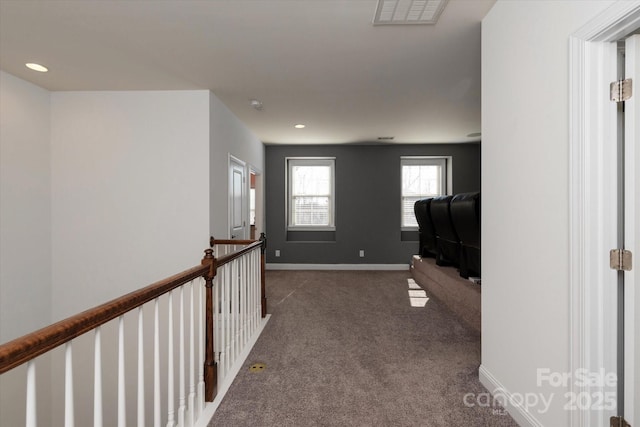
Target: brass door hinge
{"x": 621, "y": 90}
{"x": 620, "y": 259}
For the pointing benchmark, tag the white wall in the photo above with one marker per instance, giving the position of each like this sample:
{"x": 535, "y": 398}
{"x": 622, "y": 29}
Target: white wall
{"x": 130, "y": 206}
{"x": 131, "y": 187}
{"x": 130, "y": 191}
{"x": 525, "y": 208}
{"x": 25, "y": 207}
{"x": 25, "y": 232}
{"x": 229, "y": 136}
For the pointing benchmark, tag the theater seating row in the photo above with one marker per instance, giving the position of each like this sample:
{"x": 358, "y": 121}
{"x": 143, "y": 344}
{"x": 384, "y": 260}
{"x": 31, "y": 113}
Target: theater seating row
{"x": 450, "y": 231}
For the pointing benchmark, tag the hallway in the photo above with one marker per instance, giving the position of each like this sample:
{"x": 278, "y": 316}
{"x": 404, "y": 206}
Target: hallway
{"x": 346, "y": 348}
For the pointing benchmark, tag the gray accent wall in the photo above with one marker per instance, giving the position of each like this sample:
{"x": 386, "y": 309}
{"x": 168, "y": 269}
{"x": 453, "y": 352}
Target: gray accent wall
{"x": 367, "y": 202}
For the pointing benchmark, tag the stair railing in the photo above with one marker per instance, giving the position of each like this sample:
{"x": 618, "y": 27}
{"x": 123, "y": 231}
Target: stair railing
{"x": 239, "y": 300}
{"x": 225, "y": 294}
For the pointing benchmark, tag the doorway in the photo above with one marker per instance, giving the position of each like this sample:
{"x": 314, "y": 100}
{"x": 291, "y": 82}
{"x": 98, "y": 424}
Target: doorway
{"x": 237, "y": 199}
{"x": 256, "y": 203}
{"x": 604, "y": 210}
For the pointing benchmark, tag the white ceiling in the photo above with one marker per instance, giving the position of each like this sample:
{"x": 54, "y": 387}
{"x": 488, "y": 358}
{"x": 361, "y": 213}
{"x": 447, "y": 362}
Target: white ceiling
{"x": 317, "y": 62}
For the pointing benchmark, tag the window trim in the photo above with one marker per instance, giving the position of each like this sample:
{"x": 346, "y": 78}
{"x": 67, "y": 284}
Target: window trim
{"x": 310, "y": 161}
{"x": 446, "y": 162}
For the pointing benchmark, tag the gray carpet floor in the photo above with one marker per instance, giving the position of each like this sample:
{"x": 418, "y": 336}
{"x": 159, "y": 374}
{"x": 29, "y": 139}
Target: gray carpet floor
{"x": 345, "y": 348}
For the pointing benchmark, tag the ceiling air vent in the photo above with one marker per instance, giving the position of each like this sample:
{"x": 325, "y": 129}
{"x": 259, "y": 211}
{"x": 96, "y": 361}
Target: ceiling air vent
{"x": 408, "y": 12}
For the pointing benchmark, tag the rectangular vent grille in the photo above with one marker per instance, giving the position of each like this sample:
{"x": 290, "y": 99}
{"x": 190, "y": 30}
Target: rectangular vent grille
{"x": 408, "y": 12}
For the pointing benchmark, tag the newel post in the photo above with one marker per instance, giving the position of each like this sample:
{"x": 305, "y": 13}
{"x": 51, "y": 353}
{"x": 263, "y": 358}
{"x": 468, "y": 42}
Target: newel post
{"x": 263, "y": 257}
{"x": 210, "y": 368}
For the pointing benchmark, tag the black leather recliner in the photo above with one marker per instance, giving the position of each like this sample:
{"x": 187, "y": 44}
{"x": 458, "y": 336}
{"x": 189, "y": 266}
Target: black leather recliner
{"x": 447, "y": 241}
{"x": 465, "y": 214}
{"x": 422, "y": 209}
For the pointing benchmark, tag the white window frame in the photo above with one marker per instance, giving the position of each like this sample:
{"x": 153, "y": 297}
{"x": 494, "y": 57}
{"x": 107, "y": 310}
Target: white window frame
{"x": 290, "y": 162}
{"x": 446, "y": 171}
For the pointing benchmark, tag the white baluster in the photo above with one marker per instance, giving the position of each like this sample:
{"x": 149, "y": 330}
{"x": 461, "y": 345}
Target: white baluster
{"x": 247, "y": 291}
{"x": 251, "y": 284}
{"x": 238, "y": 310}
{"x": 218, "y": 348}
{"x": 249, "y": 280}
{"x": 181, "y": 363}
{"x": 252, "y": 304}
{"x": 156, "y": 365}
{"x": 235, "y": 305}
{"x": 31, "y": 412}
{"x": 241, "y": 301}
{"x": 171, "y": 421}
{"x": 122, "y": 401}
{"x": 97, "y": 378}
{"x": 257, "y": 302}
{"x": 243, "y": 298}
{"x": 247, "y": 297}
{"x": 219, "y": 326}
{"x": 250, "y": 293}
{"x": 68, "y": 385}
{"x": 257, "y": 289}
{"x": 192, "y": 354}
{"x": 201, "y": 350}
{"x": 222, "y": 325}
{"x": 140, "y": 367}
{"x": 232, "y": 324}
{"x": 227, "y": 315}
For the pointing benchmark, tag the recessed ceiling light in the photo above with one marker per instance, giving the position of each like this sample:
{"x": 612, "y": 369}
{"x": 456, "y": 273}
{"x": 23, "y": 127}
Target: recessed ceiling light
{"x": 299, "y": 126}
{"x": 474, "y": 134}
{"x": 37, "y": 67}
{"x": 256, "y": 104}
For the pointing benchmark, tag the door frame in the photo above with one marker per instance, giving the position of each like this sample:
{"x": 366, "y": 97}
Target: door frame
{"x": 260, "y": 226}
{"x": 245, "y": 208}
{"x": 631, "y": 170}
{"x": 592, "y": 222}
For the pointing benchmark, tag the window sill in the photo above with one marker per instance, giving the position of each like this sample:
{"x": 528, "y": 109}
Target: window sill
{"x": 314, "y": 235}
{"x": 301, "y": 228}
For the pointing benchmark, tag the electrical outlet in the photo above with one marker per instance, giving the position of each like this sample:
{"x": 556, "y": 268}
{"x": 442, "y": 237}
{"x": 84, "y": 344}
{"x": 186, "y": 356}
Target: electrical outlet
{"x": 277, "y": 252}
{"x": 361, "y": 253}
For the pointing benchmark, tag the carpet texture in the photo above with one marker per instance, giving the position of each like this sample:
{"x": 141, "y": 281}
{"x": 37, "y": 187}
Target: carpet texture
{"x": 345, "y": 348}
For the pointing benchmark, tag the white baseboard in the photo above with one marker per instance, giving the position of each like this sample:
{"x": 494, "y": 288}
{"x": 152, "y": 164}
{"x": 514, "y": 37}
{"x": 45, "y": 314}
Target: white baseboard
{"x": 517, "y": 412}
{"x": 210, "y": 408}
{"x": 376, "y": 267}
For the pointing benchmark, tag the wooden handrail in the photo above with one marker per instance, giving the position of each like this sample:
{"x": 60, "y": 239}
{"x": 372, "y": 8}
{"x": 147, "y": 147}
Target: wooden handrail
{"x": 232, "y": 242}
{"x": 21, "y": 350}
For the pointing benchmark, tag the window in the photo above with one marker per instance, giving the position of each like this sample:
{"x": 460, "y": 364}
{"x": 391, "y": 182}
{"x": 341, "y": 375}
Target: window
{"x": 422, "y": 177}
{"x": 311, "y": 191}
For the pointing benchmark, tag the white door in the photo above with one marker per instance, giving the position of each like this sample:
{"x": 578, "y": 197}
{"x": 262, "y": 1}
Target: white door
{"x": 632, "y": 236}
{"x": 237, "y": 199}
